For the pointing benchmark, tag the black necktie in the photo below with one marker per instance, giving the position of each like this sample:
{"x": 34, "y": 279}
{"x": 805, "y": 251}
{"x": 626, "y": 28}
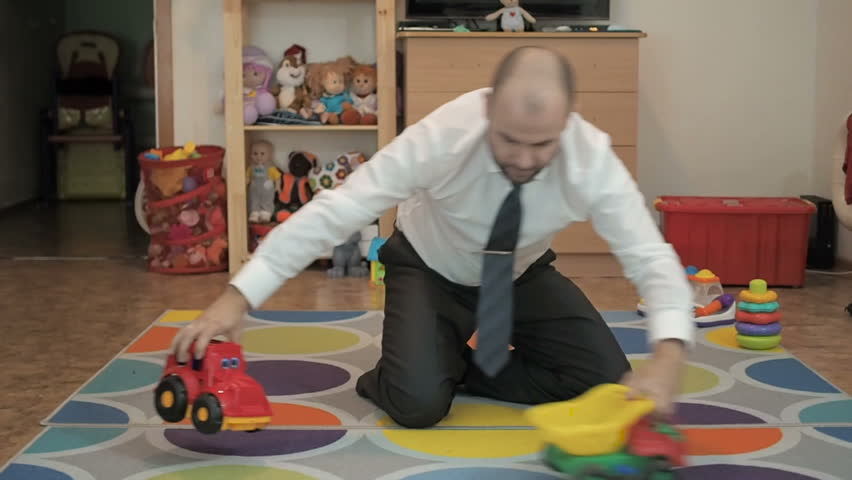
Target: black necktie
{"x": 495, "y": 310}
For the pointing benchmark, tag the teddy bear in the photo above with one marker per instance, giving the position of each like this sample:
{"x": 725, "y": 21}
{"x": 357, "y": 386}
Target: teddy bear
{"x": 364, "y": 99}
{"x": 511, "y": 16}
{"x": 295, "y": 190}
{"x": 263, "y": 179}
{"x": 328, "y": 86}
{"x": 292, "y": 94}
{"x": 257, "y": 75}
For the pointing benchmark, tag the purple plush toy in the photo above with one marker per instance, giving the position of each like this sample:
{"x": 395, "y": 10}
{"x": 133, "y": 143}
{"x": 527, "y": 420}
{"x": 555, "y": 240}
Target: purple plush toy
{"x": 257, "y": 75}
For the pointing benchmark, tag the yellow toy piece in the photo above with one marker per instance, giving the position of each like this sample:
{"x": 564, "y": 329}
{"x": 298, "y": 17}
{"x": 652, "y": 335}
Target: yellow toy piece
{"x": 182, "y": 153}
{"x": 758, "y": 293}
{"x": 595, "y": 423}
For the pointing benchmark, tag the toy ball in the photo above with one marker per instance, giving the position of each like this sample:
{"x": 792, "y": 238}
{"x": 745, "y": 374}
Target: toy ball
{"x": 327, "y": 176}
{"x": 691, "y": 270}
{"x": 151, "y": 156}
{"x": 189, "y": 184}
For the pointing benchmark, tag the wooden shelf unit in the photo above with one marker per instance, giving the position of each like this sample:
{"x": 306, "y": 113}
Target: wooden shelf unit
{"x": 236, "y": 34}
{"x": 440, "y": 66}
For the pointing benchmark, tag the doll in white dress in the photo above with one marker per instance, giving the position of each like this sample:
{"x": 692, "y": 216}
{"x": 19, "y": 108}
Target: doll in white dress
{"x": 511, "y": 16}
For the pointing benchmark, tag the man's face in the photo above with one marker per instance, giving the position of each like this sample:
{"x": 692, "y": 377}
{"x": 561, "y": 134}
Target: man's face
{"x": 524, "y": 142}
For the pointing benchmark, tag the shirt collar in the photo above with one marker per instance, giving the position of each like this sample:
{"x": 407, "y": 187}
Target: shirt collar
{"x": 493, "y": 167}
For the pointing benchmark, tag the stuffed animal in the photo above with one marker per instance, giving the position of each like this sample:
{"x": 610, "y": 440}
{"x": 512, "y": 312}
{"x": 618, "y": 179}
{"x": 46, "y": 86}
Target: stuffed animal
{"x": 257, "y": 75}
{"x": 511, "y": 16}
{"x": 328, "y": 86}
{"x": 346, "y": 259}
{"x": 293, "y": 95}
{"x": 262, "y": 177}
{"x": 295, "y": 189}
{"x": 364, "y": 99}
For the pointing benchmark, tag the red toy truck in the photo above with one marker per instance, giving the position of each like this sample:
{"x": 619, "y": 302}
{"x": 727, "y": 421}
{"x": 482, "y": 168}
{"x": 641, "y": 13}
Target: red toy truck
{"x": 215, "y": 390}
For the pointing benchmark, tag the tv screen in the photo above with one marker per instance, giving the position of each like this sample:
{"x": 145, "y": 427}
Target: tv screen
{"x": 545, "y": 9}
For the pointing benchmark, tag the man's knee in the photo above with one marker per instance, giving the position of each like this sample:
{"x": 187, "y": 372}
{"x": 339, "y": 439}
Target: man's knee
{"x": 409, "y": 405}
{"x": 422, "y": 412}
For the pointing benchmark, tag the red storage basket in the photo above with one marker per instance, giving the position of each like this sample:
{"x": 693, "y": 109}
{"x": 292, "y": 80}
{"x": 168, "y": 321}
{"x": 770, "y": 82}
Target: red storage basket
{"x": 186, "y": 212}
{"x": 740, "y": 238}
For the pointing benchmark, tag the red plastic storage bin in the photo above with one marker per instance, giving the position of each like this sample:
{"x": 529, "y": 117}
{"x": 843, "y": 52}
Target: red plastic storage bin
{"x": 740, "y": 238}
{"x": 186, "y": 212}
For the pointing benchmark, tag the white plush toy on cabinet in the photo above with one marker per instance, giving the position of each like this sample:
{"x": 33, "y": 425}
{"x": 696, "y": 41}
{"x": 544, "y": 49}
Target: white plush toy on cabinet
{"x": 511, "y": 16}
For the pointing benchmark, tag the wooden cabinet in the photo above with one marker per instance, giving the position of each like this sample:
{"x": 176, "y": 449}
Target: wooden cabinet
{"x": 442, "y": 65}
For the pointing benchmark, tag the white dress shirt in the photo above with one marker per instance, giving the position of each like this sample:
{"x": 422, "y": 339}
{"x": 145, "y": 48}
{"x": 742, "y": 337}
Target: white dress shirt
{"x": 442, "y": 176}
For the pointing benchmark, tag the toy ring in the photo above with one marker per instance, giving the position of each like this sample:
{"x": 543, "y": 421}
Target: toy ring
{"x": 758, "y": 343}
{"x": 752, "y": 297}
{"x": 758, "y": 330}
{"x": 758, "y": 307}
{"x": 758, "y": 318}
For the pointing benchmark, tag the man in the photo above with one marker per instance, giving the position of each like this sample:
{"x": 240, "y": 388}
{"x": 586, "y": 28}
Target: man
{"x": 483, "y": 183}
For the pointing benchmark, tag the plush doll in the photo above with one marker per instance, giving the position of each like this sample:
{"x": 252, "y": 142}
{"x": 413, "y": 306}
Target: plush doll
{"x": 328, "y": 86}
{"x": 295, "y": 189}
{"x": 293, "y": 95}
{"x": 262, "y": 177}
{"x": 257, "y": 75}
{"x": 363, "y": 93}
{"x": 511, "y": 16}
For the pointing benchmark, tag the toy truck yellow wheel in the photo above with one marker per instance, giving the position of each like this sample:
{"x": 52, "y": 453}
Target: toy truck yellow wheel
{"x": 170, "y": 399}
{"x": 207, "y": 414}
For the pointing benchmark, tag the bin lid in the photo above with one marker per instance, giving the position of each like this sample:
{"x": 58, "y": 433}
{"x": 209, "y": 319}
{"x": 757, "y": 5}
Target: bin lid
{"x": 733, "y": 205}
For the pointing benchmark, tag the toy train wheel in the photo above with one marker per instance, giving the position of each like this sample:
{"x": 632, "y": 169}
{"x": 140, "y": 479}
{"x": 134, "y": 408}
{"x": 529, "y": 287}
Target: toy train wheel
{"x": 170, "y": 399}
{"x": 207, "y": 414}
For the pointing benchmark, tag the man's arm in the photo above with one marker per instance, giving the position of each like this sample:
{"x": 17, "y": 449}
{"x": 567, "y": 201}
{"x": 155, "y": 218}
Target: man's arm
{"x": 391, "y": 176}
{"x": 620, "y": 216}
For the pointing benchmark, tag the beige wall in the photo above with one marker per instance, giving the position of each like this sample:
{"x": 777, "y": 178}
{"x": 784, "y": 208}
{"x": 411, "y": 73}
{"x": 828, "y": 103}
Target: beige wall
{"x": 833, "y": 102}
{"x": 26, "y": 60}
{"x": 732, "y": 102}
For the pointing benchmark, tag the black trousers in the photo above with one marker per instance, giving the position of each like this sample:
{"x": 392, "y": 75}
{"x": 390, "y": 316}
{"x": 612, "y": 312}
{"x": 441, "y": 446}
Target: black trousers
{"x": 562, "y": 345}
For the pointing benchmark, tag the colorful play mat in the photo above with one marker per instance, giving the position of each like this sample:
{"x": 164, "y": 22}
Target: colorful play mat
{"x": 756, "y": 415}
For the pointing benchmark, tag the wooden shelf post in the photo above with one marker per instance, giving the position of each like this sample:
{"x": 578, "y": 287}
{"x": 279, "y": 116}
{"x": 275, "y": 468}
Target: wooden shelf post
{"x": 235, "y": 153}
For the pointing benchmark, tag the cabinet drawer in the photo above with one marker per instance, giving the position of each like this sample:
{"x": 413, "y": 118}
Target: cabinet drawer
{"x": 453, "y": 64}
{"x": 614, "y": 113}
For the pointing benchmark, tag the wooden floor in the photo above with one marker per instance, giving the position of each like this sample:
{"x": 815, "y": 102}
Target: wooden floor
{"x": 62, "y": 320}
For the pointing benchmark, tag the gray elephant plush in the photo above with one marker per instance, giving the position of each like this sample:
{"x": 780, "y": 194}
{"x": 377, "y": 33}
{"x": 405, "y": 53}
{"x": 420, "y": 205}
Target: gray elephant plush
{"x": 346, "y": 259}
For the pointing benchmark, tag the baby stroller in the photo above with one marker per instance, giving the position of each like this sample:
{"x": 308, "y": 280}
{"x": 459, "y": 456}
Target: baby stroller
{"x": 87, "y": 135}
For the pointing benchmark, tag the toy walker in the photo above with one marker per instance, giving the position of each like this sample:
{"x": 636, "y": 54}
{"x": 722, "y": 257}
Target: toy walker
{"x": 215, "y": 391}
{"x": 711, "y": 305}
{"x": 604, "y": 435}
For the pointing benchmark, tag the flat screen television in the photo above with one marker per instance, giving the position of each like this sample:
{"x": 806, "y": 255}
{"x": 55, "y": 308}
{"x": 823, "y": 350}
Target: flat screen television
{"x": 566, "y": 10}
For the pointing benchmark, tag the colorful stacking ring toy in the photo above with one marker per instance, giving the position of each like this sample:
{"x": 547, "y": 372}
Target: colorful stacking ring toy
{"x": 759, "y": 343}
{"x": 757, "y": 330}
{"x": 759, "y": 318}
{"x": 758, "y": 307}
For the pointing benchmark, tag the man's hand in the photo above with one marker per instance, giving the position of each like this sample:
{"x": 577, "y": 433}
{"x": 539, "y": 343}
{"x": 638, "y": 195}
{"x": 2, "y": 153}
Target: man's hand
{"x": 659, "y": 379}
{"x": 223, "y": 317}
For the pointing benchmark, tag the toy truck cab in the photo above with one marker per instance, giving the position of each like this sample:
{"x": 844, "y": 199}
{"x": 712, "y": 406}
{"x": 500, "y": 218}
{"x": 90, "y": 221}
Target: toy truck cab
{"x": 215, "y": 391}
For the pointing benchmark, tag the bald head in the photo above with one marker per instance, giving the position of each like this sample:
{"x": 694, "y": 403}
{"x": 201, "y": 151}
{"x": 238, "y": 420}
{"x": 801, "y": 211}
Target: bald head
{"x": 531, "y": 78}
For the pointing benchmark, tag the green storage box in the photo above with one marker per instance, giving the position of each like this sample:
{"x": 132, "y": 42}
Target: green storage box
{"x": 90, "y": 171}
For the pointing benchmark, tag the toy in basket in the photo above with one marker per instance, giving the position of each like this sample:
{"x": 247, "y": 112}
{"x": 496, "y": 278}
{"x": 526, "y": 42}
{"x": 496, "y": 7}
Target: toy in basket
{"x": 215, "y": 391}
{"x": 711, "y": 305}
{"x": 185, "y": 208}
{"x": 603, "y": 434}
